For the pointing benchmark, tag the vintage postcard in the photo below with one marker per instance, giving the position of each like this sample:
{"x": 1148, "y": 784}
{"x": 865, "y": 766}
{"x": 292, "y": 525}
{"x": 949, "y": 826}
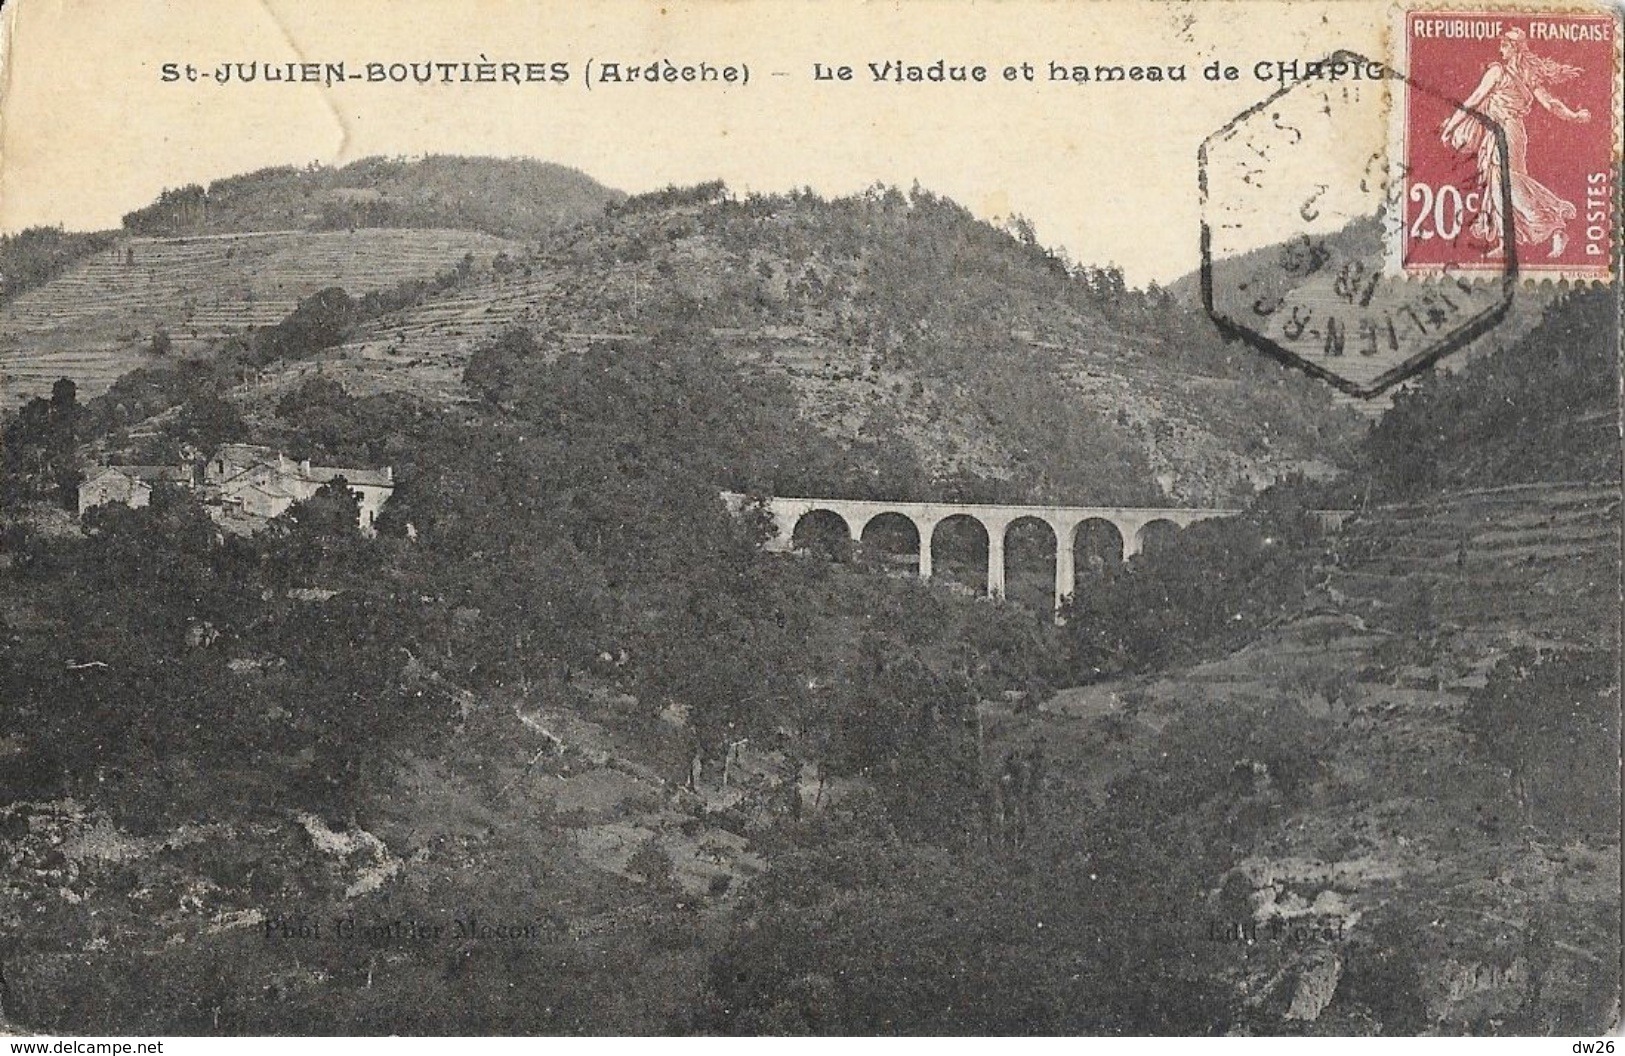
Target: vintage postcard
{"x": 730, "y": 517}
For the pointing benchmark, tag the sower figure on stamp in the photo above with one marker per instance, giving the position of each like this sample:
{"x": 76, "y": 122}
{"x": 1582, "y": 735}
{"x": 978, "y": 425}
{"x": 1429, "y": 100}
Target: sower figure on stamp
{"x": 1509, "y": 89}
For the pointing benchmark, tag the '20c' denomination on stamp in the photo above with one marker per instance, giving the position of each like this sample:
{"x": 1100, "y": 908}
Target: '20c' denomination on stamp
{"x": 1549, "y": 81}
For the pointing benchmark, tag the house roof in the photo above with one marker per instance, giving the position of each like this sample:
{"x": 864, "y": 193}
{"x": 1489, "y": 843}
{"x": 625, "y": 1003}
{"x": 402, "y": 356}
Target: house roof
{"x": 255, "y": 463}
{"x": 236, "y": 452}
{"x": 380, "y": 478}
{"x": 274, "y": 487}
{"x": 157, "y": 472}
{"x": 146, "y": 473}
{"x": 251, "y": 467}
{"x": 258, "y": 471}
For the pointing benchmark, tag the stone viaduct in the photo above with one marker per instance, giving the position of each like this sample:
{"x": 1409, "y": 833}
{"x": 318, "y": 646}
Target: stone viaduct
{"x": 1131, "y": 524}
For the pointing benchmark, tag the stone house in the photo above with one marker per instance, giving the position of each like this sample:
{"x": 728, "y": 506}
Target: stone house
{"x": 128, "y": 485}
{"x": 243, "y": 485}
{"x": 262, "y": 483}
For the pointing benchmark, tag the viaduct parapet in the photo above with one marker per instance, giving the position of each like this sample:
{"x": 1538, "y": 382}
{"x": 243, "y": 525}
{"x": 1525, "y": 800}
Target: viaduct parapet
{"x": 1130, "y": 522}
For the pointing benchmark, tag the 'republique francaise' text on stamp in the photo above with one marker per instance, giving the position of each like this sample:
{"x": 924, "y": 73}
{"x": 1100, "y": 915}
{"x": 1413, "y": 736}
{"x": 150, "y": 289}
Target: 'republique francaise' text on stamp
{"x": 1550, "y": 82}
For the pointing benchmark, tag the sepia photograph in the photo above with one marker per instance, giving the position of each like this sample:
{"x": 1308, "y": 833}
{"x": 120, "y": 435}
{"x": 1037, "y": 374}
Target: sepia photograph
{"x": 1043, "y": 518}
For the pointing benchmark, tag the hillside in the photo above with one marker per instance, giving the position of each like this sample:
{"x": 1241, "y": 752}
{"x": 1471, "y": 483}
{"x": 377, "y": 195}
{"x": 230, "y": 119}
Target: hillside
{"x": 515, "y": 198}
{"x": 97, "y": 319}
{"x": 1236, "y": 284}
{"x": 1431, "y": 720}
{"x": 1337, "y": 776}
{"x": 899, "y": 320}
{"x": 1364, "y": 776}
{"x": 201, "y": 262}
{"x": 1540, "y": 402}
{"x": 511, "y": 711}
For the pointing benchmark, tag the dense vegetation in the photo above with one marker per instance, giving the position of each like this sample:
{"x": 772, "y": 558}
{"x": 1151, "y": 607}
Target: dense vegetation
{"x": 39, "y": 449}
{"x": 187, "y": 678}
{"x": 1213, "y": 588}
{"x": 37, "y": 255}
{"x": 1552, "y": 720}
{"x": 1544, "y": 408}
{"x": 597, "y": 489}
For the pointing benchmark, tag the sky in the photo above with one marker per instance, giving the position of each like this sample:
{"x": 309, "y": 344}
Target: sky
{"x": 90, "y": 129}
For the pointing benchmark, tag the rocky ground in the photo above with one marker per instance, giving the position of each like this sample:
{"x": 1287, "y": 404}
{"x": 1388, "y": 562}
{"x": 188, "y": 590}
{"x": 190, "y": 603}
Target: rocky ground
{"x": 1408, "y": 834}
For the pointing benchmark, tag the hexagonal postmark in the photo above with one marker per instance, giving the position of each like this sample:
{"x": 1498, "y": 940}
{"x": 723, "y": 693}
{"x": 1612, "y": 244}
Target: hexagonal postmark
{"x": 1301, "y": 196}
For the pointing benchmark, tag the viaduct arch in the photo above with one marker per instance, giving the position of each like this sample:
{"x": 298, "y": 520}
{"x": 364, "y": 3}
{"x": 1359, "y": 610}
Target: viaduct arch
{"x": 1130, "y": 522}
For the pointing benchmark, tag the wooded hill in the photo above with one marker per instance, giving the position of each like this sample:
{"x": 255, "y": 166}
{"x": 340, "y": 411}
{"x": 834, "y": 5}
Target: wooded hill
{"x": 1541, "y": 407}
{"x": 897, "y": 319}
{"x": 517, "y": 198}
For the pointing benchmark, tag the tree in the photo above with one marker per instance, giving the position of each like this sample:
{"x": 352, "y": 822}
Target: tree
{"x": 494, "y": 370}
{"x": 676, "y": 663}
{"x": 322, "y": 320}
{"x": 64, "y": 441}
{"x": 908, "y": 730}
{"x": 316, "y": 394}
{"x": 543, "y": 607}
{"x": 1552, "y": 720}
{"x": 176, "y": 211}
{"x": 205, "y": 422}
{"x": 40, "y": 448}
{"x": 317, "y": 541}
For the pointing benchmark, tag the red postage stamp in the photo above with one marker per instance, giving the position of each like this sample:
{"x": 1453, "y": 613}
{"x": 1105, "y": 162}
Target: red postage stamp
{"x": 1507, "y": 127}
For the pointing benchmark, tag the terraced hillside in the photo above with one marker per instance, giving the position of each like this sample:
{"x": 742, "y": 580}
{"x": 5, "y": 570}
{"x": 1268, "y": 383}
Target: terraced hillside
{"x": 426, "y": 348}
{"x": 1494, "y": 880}
{"x": 903, "y": 319}
{"x": 1533, "y": 565}
{"x": 96, "y": 321}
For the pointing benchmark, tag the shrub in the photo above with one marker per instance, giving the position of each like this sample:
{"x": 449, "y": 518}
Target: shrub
{"x": 1552, "y": 720}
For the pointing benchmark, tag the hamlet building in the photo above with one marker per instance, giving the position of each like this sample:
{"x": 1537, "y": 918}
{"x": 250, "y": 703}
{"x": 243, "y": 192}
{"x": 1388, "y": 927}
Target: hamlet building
{"x": 241, "y": 485}
{"x": 129, "y": 485}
